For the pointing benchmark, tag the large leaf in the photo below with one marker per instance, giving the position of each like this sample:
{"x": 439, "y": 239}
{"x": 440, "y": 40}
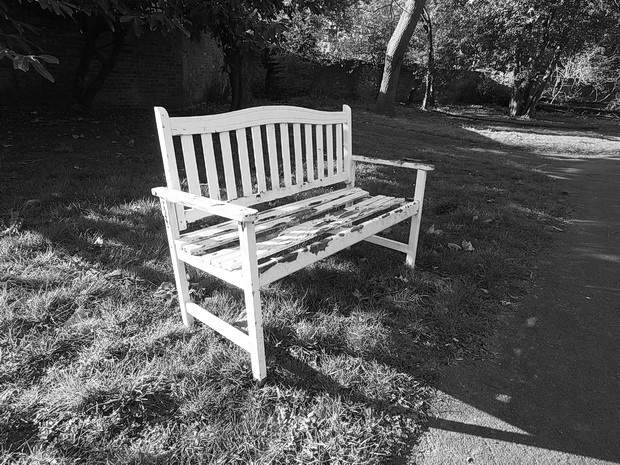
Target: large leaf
{"x": 40, "y": 68}
{"x": 48, "y": 59}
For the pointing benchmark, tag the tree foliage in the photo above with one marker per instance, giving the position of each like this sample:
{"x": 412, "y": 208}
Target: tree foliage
{"x": 93, "y": 18}
{"x": 364, "y": 30}
{"x": 16, "y": 44}
{"x": 244, "y": 28}
{"x": 529, "y": 38}
{"x": 538, "y": 42}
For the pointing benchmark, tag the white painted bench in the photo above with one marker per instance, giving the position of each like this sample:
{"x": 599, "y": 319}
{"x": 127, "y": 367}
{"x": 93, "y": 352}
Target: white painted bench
{"x": 221, "y": 165}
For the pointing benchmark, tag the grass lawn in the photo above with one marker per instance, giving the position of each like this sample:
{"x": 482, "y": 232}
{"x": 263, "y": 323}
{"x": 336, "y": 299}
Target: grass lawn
{"x": 96, "y": 367}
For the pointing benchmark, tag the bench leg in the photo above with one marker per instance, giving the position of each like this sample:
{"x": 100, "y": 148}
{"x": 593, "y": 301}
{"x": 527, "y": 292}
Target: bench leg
{"x": 178, "y": 267}
{"x": 414, "y": 231}
{"x": 180, "y": 277}
{"x": 255, "y": 332}
{"x": 251, "y": 289}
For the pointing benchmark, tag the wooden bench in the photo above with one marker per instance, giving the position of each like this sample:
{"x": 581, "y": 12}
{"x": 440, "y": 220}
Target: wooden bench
{"x": 221, "y": 165}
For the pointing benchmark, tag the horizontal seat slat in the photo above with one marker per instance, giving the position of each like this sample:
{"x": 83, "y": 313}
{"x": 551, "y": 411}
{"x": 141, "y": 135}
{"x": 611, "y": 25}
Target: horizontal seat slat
{"x": 230, "y": 259}
{"x": 285, "y": 264}
{"x": 201, "y": 241}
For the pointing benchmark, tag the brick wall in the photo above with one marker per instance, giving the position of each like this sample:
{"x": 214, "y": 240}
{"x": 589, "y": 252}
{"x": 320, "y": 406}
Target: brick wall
{"x": 151, "y": 70}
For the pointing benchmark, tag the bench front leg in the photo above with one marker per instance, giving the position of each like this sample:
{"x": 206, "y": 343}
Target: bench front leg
{"x": 180, "y": 273}
{"x": 414, "y": 231}
{"x": 251, "y": 290}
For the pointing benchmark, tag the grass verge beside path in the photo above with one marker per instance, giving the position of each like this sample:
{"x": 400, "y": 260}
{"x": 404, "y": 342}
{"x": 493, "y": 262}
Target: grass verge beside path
{"x": 96, "y": 367}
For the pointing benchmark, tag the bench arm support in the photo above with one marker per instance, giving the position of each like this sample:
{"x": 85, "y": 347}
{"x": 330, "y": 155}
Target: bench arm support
{"x": 207, "y": 205}
{"x": 404, "y": 163}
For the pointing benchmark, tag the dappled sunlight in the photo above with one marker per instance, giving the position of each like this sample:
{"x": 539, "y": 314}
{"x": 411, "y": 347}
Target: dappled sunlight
{"x": 544, "y": 142}
{"x": 486, "y": 425}
{"x": 598, "y": 256}
{"x": 489, "y": 428}
{"x": 487, "y": 150}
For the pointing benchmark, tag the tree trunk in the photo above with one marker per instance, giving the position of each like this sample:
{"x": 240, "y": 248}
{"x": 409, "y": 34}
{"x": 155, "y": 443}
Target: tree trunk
{"x": 240, "y": 92}
{"x": 235, "y": 64}
{"x": 414, "y": 88}
{"x": 525, "y": 97}
{"x": 90, "y": 30}
{"x": 396, "y": 49}
{"x": 518, "y": 95}
{"x": 429, "y": 92}
{"x": 84, "y": 93}
{"x": 107, "y": 66}
{"x": 526, "y": 93}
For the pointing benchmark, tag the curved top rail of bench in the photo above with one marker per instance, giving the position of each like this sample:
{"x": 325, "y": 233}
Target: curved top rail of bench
{"x": 250, "y": 117}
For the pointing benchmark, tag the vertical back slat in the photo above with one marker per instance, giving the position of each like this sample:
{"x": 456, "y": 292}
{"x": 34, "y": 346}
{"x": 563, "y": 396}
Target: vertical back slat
{"x": 259, "y": 161}
{"x": 339, "y": 160}
{"x": 229, "y": 170}
{"x": 286, "y": 155}
{"x": 349, "y": 164}
{"x": 309, "y": 152}
{"x": 299, "y": 164}
{"x": 191, "y": 168}
{"x": 319, "y": 152}
{"x": 330, "y": 149}
{"x": 210, "y": 166}
{"x": 273, "y": 156}
{"x": 244, "y": 162}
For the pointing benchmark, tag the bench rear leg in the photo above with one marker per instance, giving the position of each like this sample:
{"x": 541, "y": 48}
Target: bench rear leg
{"x": 414, "y": 231}
{"x": 251, "y": 290}
{"x": 178, "y": 267}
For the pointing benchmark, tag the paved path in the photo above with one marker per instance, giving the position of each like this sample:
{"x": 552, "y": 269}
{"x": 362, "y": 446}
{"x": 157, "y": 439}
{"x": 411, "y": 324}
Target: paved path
{"x": 553, "y": 395}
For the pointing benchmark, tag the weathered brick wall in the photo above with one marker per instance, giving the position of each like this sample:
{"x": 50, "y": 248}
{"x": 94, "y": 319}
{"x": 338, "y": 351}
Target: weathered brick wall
{"x": 151, "y": 70}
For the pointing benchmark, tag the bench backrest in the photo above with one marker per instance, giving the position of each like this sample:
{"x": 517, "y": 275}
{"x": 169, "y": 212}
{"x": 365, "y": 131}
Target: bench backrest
{"x": 255, "y": 155}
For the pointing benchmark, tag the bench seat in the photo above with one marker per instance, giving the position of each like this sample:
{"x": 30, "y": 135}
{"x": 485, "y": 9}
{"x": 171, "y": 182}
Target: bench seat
{"x": 295, "y": 235}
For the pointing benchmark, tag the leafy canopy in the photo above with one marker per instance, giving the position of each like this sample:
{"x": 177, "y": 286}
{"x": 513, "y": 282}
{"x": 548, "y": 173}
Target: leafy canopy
{"x": 16, "y": 36}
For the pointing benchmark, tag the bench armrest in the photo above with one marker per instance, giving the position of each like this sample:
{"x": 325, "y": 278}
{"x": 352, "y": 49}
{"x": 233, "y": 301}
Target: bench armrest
{"x": 207, "y": 205}
{"x": 404, "y": 163}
